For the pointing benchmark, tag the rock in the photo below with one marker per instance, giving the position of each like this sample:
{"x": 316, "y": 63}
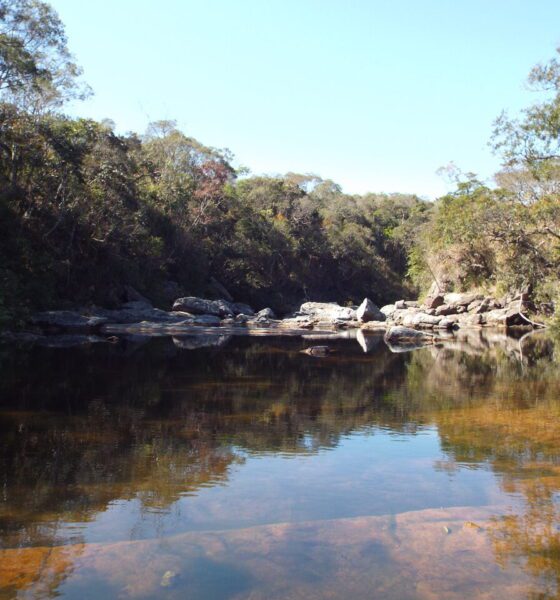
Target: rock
{"x": 424, "y": 320}
{"x": 505, "y": 317}
{"x": 267, "y": 313}
{"x": 445, "y": 309}
{"x": 329, "y": 311}
{"x": 299, "y": 322}
{"x": 447, "y": 322}
{"x": 483, "y": 306}
{"x": 66, "y": 320}
{"x": 368, "y": 311}
{"x": 317, "y": 351}
{"x": 136, "y": 315}
{"x": 388, "y": 310}
{"x": 400, "y": 304}
{"x": 456, "y": 299}
{"x": 434, "y": 301}
{"x": 470, "y": 320}
{"x": 200, "y": 306}
{"x": 399, "y": 334}
{"x": 241, "y": 318}
{"x": 239, "y": 308}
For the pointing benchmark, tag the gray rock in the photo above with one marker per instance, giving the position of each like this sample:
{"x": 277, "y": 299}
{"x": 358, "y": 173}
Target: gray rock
{"x": 368, "y": 311}
{"x": 424, "y": 320}
{"x": 434, "y": 301}
{"x": 446, "y": 309}
{"x": 267, "y": 313}
{"x": 389, "y": 309}
{"x": 329, "y": 311}
{"x": 400, "y": 304}
{"x": 470, "y": 320}
{"x": 504, "y": 317}
{"x": 448, "y": 322}
{"x": 200, "y": 306}
{"x": 242, "y": 309}
{"x": 399, "y": 333}
{"x": 456, "y": 299}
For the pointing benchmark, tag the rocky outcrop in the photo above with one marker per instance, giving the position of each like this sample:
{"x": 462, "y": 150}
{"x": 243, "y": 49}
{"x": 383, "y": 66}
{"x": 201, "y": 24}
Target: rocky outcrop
{"x": 457, "y": 310}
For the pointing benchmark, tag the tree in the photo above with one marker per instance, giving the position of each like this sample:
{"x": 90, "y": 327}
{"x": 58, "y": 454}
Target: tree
{"x": 36, "y": 67}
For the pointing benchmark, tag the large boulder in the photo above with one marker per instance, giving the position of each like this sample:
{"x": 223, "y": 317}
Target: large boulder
{"x": 388, "y": 310}
{"x": 456, "y": 299}
{"x": 368, "y": 311}
{"x": 424, "y": 320}
{"x": 200, "y": 306}
{"x": 434, "y": 301}
{"x": 327, "y": 311}
{"x": 239, "y": 308}
{"x": 219, "y": 308}
{"x": 446, "y": 309}
{"x": 504, "y": 317}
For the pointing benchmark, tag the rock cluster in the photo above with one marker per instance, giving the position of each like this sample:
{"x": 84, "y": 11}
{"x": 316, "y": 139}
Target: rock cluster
{"x": 456, "y": 310}
{"x": 438, "y": 312}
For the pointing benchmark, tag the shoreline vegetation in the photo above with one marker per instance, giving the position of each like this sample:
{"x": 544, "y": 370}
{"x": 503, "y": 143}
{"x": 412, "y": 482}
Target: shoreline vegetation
{"x": 91, "y": 218}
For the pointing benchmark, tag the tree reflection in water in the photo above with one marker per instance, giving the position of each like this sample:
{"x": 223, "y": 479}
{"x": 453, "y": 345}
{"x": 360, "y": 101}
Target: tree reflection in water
{"x": 81, "y": 430}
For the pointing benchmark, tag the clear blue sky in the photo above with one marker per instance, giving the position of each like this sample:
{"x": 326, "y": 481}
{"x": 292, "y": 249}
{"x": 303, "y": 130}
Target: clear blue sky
{"x": 374, "y": 94}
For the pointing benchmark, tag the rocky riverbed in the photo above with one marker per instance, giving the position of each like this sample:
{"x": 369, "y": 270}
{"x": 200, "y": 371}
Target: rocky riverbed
{"x": 405, "y": 323}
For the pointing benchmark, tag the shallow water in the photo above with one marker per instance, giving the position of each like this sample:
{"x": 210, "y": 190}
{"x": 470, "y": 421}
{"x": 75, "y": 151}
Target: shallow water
{"x": 245, "y": 469}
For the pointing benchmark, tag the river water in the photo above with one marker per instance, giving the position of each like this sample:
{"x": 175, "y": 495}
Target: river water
{"x": 241, "y": 468}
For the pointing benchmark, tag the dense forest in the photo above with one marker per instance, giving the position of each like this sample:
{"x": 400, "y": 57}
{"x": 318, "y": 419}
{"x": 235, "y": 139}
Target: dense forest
{"x": 86, "y": 212}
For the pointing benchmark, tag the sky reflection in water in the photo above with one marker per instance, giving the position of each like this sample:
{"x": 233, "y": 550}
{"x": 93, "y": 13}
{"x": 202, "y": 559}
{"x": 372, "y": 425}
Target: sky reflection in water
{"x": 250, "y": 470}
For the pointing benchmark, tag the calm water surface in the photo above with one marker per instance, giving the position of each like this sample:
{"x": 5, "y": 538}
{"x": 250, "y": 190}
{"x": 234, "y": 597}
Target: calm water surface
{"x": 248, "y": 470}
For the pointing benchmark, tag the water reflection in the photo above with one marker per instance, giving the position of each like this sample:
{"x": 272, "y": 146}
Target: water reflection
{"x": 326, "y": 475}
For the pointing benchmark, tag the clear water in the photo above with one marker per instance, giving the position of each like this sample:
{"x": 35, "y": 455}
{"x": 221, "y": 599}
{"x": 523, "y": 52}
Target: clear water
{"x": 246, "y": 469}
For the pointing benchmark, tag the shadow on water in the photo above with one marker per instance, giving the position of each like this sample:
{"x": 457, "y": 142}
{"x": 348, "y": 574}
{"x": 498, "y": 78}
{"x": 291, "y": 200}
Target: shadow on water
{"x": 155, "y": 433}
